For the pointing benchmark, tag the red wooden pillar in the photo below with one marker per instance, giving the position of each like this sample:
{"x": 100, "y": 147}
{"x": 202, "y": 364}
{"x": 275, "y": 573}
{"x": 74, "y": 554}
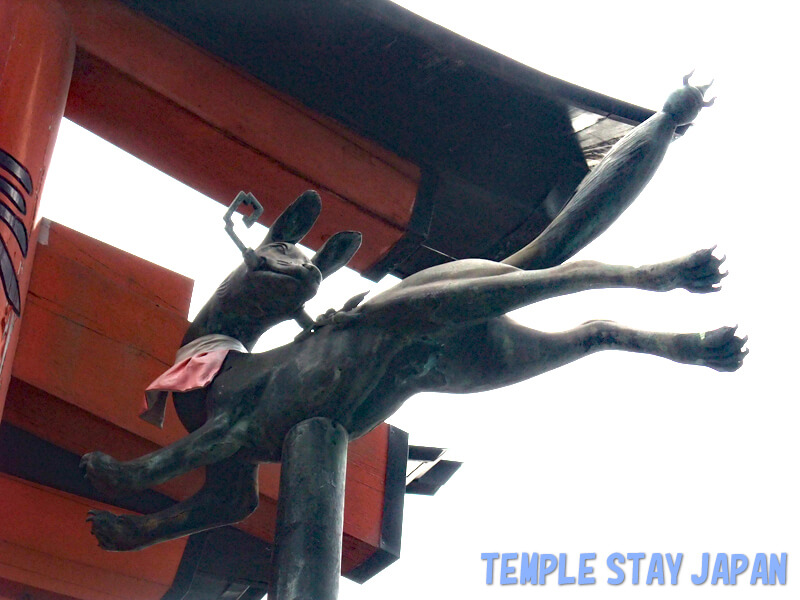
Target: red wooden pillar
{"x": 37, "y": 50}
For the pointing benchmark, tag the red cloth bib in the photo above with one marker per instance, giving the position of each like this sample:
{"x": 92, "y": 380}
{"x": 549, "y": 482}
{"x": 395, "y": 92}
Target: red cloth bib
{"x": 192, "y": 373}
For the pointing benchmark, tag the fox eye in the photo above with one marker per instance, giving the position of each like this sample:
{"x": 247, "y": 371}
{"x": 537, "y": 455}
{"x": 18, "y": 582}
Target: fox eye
{"x": 282, "y": 248}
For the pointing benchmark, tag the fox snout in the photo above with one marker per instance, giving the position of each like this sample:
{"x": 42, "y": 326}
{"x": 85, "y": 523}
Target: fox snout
{"x": 297, "y": 267}
{"x": 306, "y": 272}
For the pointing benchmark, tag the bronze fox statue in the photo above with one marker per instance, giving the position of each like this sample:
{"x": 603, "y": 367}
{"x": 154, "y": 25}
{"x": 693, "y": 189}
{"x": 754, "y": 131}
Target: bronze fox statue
{"x": 442, "y": 329}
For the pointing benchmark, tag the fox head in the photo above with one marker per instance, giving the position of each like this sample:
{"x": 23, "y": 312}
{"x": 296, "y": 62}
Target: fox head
{"x": 276, "y": 279}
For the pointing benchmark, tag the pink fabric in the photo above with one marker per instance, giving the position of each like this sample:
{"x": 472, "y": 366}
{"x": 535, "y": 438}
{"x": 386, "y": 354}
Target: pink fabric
{"x": 192, "y": 373}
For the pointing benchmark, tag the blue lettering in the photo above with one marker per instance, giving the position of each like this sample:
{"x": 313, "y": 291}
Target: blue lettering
{"x": 701, "y": 578}
{"x": 562, "y": 571}
{"x": 720, "y": 569}
{"x": 506, "y": 570}
{"x": 636, "y": 557}
{"x": 777, "y": 568}
{"x": 611, "y": 561}
{"x": 584, "y": 570}
{"x": 546, "y": 569}
{"x": 674, "y": 567}
{"x": 759, "y": 569}
{"x": 656, "y": 570}
{"x": 489, "y": 557}
{"x": 739, "y": 562}
{"x": 529, "y": 568}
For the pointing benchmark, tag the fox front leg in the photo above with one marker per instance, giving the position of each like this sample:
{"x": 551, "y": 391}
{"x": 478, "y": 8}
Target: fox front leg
{"x": 216, "y": 440}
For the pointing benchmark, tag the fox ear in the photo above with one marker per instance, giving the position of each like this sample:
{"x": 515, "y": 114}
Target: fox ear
{"x": 336, "y": 252}
{"x": 296, "y": 221}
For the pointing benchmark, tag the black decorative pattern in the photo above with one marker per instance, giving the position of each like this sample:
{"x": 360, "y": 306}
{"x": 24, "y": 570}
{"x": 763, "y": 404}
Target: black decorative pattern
{"x": 17, "y": 228}
{"x": 9, "y": 187}
{"x": 20, "y": 173}
{"x": 10, "y": 191}
{"x": 9, "y": 277}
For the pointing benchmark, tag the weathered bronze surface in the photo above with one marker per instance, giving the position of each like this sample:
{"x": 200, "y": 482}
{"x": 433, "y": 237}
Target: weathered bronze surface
{"x": 442, "y": 329}
{"x": 306, "y": 562}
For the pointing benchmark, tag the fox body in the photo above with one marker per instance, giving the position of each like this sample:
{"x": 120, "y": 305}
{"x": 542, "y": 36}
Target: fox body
{"x": 442, "y": 329}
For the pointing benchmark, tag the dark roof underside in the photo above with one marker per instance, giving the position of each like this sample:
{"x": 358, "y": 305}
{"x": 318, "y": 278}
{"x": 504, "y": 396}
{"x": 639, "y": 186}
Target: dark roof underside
{"x": 494, "y": 138}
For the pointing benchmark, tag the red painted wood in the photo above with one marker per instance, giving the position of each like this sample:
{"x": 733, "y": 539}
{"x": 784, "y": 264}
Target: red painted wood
{"x": 179, "y": 143}
{"x": 36, "y": 54}
{"x": 148, "y": 90}
{"x": 45, "y": 543}
{"x": 167, "y": 288}
{"x": 87, "y": 350}
{"x": 293, "y": 135}
{"x": 95, "y": 342}
{"x": 13, "y": 590}
{"x": 79, "y": 431}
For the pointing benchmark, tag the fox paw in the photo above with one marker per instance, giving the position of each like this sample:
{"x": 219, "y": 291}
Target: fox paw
{"x": 114, "y": 532}
{"x": 720, "y": 349}
{"x": 698, "y": 272}
{"x": 105, "y": 473}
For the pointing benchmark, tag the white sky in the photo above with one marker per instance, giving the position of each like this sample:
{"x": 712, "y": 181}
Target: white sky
{"x": 616, "y": 453}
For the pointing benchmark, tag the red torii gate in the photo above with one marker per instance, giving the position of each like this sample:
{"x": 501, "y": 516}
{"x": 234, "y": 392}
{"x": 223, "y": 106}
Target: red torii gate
{"x": 85, "y": 326}
{"x": 79, "y": 368}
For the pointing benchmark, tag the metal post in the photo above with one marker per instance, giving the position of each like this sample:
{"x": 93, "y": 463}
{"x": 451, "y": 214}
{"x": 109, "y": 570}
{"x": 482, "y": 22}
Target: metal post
{"x": 307, "y": 560}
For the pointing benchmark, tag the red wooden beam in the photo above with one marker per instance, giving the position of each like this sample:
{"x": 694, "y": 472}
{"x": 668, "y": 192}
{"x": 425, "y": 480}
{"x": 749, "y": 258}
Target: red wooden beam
{"x": 80, "y": 431}
{"x": 94, "y": 336}
{"x": 13, "y": 590}
{"x": 40, "y": 547}
{"x": 200, "y": 120}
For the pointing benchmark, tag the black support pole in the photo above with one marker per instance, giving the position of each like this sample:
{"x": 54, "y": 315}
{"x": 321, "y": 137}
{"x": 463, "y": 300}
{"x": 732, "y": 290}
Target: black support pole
{"x": 307, "y": 560}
